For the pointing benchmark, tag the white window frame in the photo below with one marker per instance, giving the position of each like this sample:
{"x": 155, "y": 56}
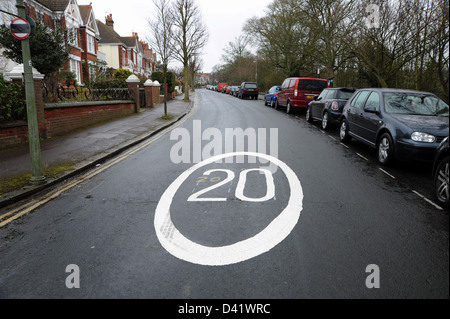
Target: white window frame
{"x": 75, "y": 67}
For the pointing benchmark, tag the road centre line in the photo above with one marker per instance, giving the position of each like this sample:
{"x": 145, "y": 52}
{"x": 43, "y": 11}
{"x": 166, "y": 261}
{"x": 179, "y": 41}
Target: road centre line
{"x": 29, "y": 207}
{"x": 428, "y": 200}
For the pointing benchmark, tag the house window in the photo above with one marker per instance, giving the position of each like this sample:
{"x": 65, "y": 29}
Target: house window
{"x": 92, "y": 72}
{"x": 90, "y": 44}
{"x": 72, "y": 37}
{"x": 75, "y": 68}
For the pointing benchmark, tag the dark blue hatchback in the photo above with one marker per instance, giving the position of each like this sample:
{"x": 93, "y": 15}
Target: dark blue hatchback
{"x": 399, "y": 124}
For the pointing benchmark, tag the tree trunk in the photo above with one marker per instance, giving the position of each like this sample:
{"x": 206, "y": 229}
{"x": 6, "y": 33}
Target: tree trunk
{"x": 186, "y": 83}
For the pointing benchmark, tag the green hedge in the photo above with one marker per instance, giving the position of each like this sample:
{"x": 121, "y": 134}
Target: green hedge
{"x": 13, "y": 106}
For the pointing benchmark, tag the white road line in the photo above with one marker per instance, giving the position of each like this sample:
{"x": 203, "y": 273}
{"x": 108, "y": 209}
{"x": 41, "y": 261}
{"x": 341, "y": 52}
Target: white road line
{"x": 344, "y": 145}
{"x": 391, "y": 176}
{"x": 362, "y": 157}
{"x": 332, "y": 137}
{"x": 427, "y": 200}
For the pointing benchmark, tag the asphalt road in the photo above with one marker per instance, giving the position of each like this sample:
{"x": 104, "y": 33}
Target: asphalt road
{"x": 323, "y": 220}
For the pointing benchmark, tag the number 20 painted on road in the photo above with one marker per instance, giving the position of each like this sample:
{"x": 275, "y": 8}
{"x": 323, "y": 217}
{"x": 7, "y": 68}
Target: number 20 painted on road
{"x": 282, "y": 225}
{"x": 239, "y": 188}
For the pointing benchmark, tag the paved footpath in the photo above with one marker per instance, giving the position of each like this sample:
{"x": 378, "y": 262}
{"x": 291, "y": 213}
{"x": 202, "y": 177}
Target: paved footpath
{"x": 83, "y": 148}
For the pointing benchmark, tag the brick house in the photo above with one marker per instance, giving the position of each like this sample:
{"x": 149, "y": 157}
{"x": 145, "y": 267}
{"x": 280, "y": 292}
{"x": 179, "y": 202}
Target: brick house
{"x": 82, "y": 34}
{"x": 89, "y": 35}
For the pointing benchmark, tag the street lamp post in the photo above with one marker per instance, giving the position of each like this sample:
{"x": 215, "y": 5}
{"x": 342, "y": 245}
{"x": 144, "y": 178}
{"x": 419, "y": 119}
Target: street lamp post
{"x": 256, "y": 75}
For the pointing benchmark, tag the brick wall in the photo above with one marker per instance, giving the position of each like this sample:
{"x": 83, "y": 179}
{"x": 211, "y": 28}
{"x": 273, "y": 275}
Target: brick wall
{"x": 13, "y": 134}
{"x": 64, "y": 117}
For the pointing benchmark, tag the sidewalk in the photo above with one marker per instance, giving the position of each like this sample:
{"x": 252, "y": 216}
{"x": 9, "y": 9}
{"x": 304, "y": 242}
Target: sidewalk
{"x": 84, "y": 148}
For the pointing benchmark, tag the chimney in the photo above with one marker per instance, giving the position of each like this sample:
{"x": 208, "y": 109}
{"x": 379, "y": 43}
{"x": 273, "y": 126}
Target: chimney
{"x": 110, "y": 21}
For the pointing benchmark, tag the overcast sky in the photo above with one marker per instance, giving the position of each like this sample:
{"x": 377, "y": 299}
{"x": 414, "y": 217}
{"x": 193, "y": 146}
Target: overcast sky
{"x": 224, "y": 20}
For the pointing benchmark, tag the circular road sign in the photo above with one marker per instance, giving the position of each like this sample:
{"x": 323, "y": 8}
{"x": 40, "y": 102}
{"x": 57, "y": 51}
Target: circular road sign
{"x": 20, "y": 28}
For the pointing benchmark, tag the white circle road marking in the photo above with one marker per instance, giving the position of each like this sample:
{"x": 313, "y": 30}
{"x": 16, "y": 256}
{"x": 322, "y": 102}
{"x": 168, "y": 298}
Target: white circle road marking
{"x": 181, "y": 247}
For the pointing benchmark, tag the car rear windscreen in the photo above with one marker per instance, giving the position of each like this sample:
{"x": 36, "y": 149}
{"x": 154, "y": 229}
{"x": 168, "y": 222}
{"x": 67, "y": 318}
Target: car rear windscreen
{"x": 251, "y": 86}
{"x": 312, "y": 85}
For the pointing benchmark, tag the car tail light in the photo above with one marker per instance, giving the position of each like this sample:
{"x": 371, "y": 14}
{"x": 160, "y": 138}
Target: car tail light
{"x": 295, "y": 92}
{"x": 335, "y": 106}
{"x": 244, "y": 90}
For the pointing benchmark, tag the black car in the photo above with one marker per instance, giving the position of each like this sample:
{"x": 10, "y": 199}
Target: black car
{"x": 328, "y": 106}
{"x": 440, "y": 173}
{"x": 249, "y": 89}
{"x": 400, "y": 124}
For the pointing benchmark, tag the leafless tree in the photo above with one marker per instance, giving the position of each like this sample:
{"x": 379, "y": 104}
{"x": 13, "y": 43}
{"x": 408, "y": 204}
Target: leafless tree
{"x": 190, "y": 35}
{"x": 162, "y": 39}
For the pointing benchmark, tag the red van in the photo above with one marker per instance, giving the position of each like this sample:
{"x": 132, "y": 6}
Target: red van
{"x": 221, "y": 86}
{"x": 296, "y": 93}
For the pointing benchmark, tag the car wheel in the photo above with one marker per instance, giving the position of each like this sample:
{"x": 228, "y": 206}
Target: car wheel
{"x": 272, "y": 103}
{"x": 343, "y": 132}
{"x": 385, "y": 149}
{"x": 276, "y": 107}
{"x": 325, "y": 124}
{"x": 308, "y": 115}
{"x": 441, "y": 190}
{"x": 288, "y": 108}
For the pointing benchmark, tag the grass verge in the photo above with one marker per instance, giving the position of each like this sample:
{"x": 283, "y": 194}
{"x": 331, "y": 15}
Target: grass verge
{"x": 14, "y": 183}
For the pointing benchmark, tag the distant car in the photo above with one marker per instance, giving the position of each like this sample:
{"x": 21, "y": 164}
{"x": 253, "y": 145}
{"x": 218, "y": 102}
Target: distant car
{"x": 221, "y": 86}
{"x": 249, "y": 89}
{"x": 399, "y": 124}
{"x": 328, "y": 106}
{"x": 296, "y": 93}
{"x": 236, "y": 92}
{"x": 228, "y": 89}
{"x": 271, "y": 95}
{"x": 440, "y": 173}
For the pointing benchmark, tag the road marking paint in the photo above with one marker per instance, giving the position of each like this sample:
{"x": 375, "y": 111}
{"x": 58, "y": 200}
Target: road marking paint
{"x": 29, "y": 207}
{"x": 183, "y": 248}
{"x": 345, "y": 145}
{"x": 391, "y": 176}
{"x": 332, "y": 137}
{"x": 427, "y": 200}
{"x": 364, "y": 158}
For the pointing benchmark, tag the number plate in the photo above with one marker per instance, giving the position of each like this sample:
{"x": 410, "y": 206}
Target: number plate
{"x": 310, "y": 96}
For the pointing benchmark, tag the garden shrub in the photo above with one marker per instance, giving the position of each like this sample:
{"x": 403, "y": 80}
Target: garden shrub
{"x": 13, "y": 105}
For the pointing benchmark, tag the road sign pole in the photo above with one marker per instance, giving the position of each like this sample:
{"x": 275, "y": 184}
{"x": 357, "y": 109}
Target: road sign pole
{"x": 33, "y": 129}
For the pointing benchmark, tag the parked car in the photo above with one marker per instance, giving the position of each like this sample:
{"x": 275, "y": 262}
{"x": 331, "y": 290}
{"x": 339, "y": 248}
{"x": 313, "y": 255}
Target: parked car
{"x": 271, "y": 95}
{"x": 233, "y": 90}
{"x": 249, "y": 89}
{"x": 440, "y": 173}
{"x": 236, "y": 92}
{"x": 399, "y": 124}
{"x": 296, "y": 93}
{"x": 228, "y": 89}
{"x": 328, "y": 106}
{"x": 221, "y": 86}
